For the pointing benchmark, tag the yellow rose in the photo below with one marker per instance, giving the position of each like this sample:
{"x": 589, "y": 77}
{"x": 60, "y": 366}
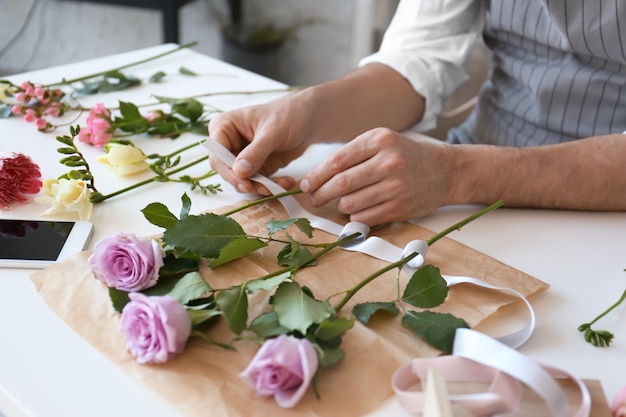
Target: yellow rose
{"x": 68, "y": 198}
{"x": 124, "y": 159}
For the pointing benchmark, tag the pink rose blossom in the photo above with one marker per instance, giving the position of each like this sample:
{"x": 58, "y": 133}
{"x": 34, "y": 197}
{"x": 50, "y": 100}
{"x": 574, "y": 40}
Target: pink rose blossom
{"x": 619, "y": 403}
{"x": 98, "y": 124}
{"x": 155, "y": 328}
{"x": 19, "y": 176}
{"x": 283, "y": 368}
{"x": 127, "y": 262}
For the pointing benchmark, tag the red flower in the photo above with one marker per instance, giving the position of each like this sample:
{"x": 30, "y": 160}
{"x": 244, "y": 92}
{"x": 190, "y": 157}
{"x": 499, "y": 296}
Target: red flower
{"x": 19, "y": 176}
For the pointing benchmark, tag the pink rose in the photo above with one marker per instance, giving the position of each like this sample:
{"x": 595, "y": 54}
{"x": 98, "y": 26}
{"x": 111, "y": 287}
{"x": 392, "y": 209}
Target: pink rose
{"x": 283, "y": 368}
{"x": 98, "y": 125}
{"x": 155, "y": 328}
{"x": 619, "y": 403}
{"x": 126, "y": 262}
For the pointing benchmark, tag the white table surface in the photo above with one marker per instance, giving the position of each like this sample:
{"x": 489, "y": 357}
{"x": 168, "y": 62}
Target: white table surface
{"x": 46, "y": 370}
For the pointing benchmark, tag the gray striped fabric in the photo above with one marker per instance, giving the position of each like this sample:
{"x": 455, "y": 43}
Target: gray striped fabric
{"x": 558, "y": 73}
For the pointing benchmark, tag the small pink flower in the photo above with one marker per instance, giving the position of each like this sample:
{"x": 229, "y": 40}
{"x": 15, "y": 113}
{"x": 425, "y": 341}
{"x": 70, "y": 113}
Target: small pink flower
{"x": 21, "y": 97}
{"x": 19, "y": 176}
{"x": 25, "y": 85}
{"x": 16, "y": 110}
{"x": 155, "y": 328}
{"x": 30, "y": 115}
{"x": 41, "y": 123}
{"x": 284, "y": 368}
{"x": 619, "y": 403}
{"x": 98, "y": 126}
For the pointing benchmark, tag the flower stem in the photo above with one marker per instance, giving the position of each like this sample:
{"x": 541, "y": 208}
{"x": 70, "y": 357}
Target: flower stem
{"x": 143, "y": 61}
{"x": 160, "y": 178}
{"x": 608, "y": 310}
{"x": 312, "y": 258}
{"x": 261, "y": 200}
{"x": 457, "y": 226}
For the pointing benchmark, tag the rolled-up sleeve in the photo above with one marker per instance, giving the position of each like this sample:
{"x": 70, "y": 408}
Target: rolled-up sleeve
{"x": 428, "y": 42}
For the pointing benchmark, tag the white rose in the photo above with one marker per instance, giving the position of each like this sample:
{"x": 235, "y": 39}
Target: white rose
{"x": 68, "y": 198}
{"x": 124, "y": 159}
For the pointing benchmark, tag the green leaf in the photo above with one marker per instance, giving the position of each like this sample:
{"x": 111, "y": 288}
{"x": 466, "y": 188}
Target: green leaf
{"x": 236, "y": 249}
{"x": 267, "y": 283}
{"x": 266, "y": 325}
{"x": 189, "y": 108}
{"x": 66, "y": 151}
{"x": 332, "y": 328}
{"x": 426, "y": 288}
{"x": 159, "y": 215}
{"x": 118, "y": 298}
{"x": 293, "y": 254}
{"x": 437, "y": 329}
{"x": 363, "y": 312}
{"x": 184, "y": 211}
{"x": 304, "y": 225}
{"x": 296, "y": 310}
{"x": 202, "y": 316}
{"x": 330, "y": 356}
{"x": 190, "y": 287}
{"x": 186, "y": 71}
{"x": 130, "y": 112}
{"x": 156, "y": 77}
{"x": 205, "y": 235}
{"x": 176, "y": 267}
{"x": 234, "y": 304}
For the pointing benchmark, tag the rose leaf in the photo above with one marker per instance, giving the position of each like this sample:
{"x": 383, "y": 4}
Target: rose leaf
{"x": 426, "y": 288}
{"x": 364, "y": 311}
{"x": 190, "y": 287}
{"x": 293, "y": 254}
{"x": 234, "y": 304}
{"x": 118, "y": 298}
{"x": 296, "y": 310}
{"x": 204, "y": 235}
{"x": 236, "y": 249}
{"x": 266, "y": 325}
{"x": 304, "y": 225}
{"x": 332, "y": 328}
{"x": 436, "y": 329}
{"x": 159, "y": 215}
{"x": 267, "y": 283}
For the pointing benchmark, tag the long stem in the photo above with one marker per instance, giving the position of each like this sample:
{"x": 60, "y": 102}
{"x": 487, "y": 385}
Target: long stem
{"x": 149, "y": 180}
{"x": 608, "y": 310}
{"x": 261, "y": 200}
{"x": 313, "y": 257}
{"x": 457, "y": 226}
{"x": 86, "y": 77}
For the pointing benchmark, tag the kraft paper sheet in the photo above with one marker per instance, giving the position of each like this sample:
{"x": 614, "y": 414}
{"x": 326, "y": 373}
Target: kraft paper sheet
{"x": 204, "y": 379}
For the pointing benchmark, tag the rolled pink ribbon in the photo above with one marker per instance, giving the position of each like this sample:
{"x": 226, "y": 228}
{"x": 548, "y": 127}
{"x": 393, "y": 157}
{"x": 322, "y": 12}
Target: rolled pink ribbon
{"x": 619, "y": 403}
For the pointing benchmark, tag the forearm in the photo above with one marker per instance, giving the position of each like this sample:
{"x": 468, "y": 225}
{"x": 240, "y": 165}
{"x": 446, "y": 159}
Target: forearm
{"x": 587, "y": 174}
{"x": 371, "y": 96}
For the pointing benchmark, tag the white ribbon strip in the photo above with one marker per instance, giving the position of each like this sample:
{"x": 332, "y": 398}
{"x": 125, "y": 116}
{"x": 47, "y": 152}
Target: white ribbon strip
{"x": 373, "y": 245}
{"x": 477, "y": 357}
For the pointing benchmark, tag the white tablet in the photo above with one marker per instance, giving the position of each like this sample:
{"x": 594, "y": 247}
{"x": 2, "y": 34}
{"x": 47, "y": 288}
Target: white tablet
{"x": 38, "y": 243}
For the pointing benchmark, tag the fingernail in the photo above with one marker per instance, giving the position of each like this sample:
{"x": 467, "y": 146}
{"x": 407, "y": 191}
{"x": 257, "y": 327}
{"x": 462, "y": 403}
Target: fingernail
{"x": 242, "y": 188}
{"x": 262, "y": 191}
{"x": 242, "y": 166}
{"x": 305, "y": 186}
{"x": 312, "y": 200}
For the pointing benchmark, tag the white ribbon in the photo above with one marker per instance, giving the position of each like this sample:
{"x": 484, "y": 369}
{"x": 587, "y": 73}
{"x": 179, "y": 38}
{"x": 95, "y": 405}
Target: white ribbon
{"x": 477, "y": 357}
{"x": 373, "y": 245}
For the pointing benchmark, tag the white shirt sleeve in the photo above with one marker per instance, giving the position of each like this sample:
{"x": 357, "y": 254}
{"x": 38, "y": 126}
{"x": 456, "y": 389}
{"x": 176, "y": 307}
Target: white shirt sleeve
{"x": 428, "y": 42}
